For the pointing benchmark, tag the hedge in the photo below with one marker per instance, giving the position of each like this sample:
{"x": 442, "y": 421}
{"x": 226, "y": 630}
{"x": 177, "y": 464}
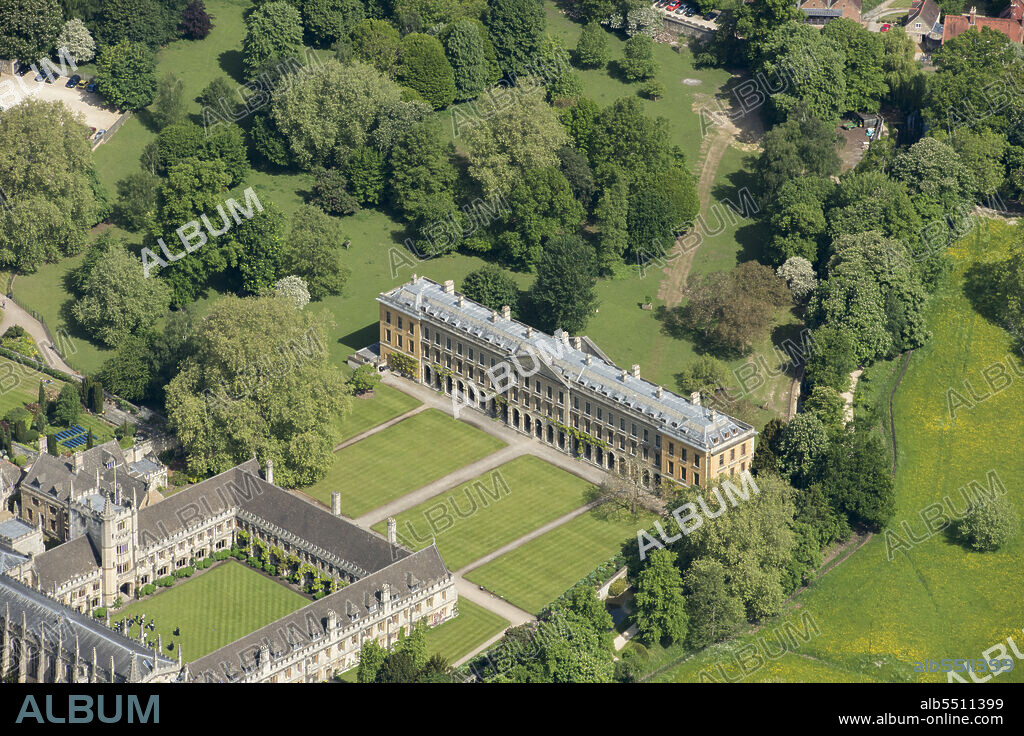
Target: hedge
{"x": 99, "y": 612}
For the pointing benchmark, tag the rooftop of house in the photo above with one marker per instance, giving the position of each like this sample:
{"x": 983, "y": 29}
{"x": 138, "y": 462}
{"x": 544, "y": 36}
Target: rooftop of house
{"x": 925, "y": 12}
{"x": 300, "y": 628}
{"x": 55, "y": 476}
{"x": 70, "y": 629}
{"x": 9, "y": 557}
{"x": 1010, "y": 24}
{"x": 830, "y": 8}
{"x": 668, "y": 412}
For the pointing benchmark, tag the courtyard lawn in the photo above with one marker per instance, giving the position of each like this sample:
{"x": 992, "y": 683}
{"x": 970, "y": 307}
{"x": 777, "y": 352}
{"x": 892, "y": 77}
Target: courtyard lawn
{"x": 497, "y": 508}
{"x": 535, "y": 574}
{"x": 369, "y": 411}
{"x": 935, "y": 596}
{"x": 400, "y": 459}
{"x": 213, "y": 609}
{"x": 472, "y": 627}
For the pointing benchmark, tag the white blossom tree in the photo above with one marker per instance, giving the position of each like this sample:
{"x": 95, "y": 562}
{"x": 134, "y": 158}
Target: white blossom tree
{"x": 294, "y": 289}
{"x": 75, "y": 37}
{"x": 798, "y": 274}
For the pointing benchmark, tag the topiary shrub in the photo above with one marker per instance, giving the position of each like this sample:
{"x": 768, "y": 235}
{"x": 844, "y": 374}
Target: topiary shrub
{"x": 99, "y": 612}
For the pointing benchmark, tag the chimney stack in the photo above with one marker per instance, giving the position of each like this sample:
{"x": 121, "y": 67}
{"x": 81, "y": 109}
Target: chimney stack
{"x": 392, "y": 530}
{"x": 695, "y": 398}
{"x": 588, "y": 359}
{"x": 336, "y": 503}
{"x": 494, "y": 315}
{"x": 449, "y": 287}
{"x": 529, "y": 331}
{"x": 79, "y": 461}
{"x": 565, "y": 338}
{"x": 660, "y": 391}
{"x": 269, "y": 473}
{"x": 415, "y": 279}
{"x": 636, "y": 370}
{"x": 462, "y": 301}
{"x": 577, "y": 342}
{"x": 623, "y": 374}
{"x": 506, "y": 312}
{"x": 972, "y": 17}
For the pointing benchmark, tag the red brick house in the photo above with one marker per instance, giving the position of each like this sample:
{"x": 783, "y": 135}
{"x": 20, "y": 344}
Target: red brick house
{"x": 1010, "y": 23}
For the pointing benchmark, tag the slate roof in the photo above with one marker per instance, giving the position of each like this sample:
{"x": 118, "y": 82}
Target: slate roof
{"x": 925, "y": 12}
{"x": 14, "y": 529}
{"x": 305, "y": 625}
{"x": 670, "y": 413}
{"x": 65, "y": 561}
{"x": 243, "y": 487}
{"x": 17, "y": 597}
{"x": 55, "y": 475}
{"x": 9, "y": 557}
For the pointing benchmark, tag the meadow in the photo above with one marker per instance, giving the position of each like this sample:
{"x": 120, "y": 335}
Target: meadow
{"x": 899, "y": 600}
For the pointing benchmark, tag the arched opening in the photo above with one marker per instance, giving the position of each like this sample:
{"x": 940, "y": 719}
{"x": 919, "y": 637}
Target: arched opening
{"x": 426, "y": 375}
{"x": 611, "y": 460}
{"x": 538, "y": 429}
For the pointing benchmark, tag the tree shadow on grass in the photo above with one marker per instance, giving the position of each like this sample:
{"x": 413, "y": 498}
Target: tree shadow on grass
{"x": 230, "y": 62}
{"x": 362, "y": 337}
{"x": 736, "y": 200}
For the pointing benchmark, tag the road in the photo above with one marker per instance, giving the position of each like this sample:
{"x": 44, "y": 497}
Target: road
{"x": 14, "y": 314}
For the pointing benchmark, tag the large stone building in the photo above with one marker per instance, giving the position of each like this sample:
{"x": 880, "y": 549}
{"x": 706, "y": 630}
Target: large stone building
{"x": 562, "y": 391}
{"x": 57, "y": 491}
{"x": 115, "y": 547}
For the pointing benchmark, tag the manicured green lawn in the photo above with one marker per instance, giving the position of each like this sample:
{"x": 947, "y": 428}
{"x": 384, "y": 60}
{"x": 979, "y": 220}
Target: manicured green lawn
{"x": 213, "y": 609}
{"x": 472, "y": 627}
{"x": 402, "y": 458}
{"x": 936, "y": 599}
{"x": 538, "y": 572}
{"x": 367, "y": 412}
{"x": 501, "y": 506}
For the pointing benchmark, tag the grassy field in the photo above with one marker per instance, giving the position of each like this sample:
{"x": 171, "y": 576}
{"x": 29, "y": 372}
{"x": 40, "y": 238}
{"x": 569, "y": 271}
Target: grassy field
{"x": 936, "y": 599}
{"x": 367, "y": 412}
{"x": 538, "y": 572}
{"x": 402, "y": 458}
{"x": 480, "y": 516}
{"x": 219, "y": 606}
{"x": 472, "y": 627}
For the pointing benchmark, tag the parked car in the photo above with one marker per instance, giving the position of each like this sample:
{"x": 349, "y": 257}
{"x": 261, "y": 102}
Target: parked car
{"x": 689, "y": 13}
{"x": 100, "y": 133}
{"x": 40, "y": 76}
{"x": 673, "y": 6}
{"x": 886, "y": 27}
{"x": 709, "y": 15}
{"x": 23, "y": 69}
{"x": 680, "y": 10}
{"x": 82, "y": 84}
{"x": 73, "y": 81}
{"x": 91, "y": 87}
{"x": 662, "y": 3}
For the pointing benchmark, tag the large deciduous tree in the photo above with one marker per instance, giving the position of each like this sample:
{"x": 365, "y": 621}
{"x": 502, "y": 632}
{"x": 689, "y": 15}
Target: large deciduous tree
{"x": 517, "y": 29}
{"x": 313, "y": 251}
{"x": 659, "y": 608}
{"x": 511, "y": 137}
{"x": 563, "y": 294}
{"x": 423, "y": 68}
{"x": 116, "y": 300}
{"x": 273, "y": 34}
{"x": 260, "y": 381}
{"x": 493, "y": 287}
{"x": 45, "y": 182}
{"x": 75, "y": 37}
{"x": 28, "y": 29}
{"x": 126, "y": 75}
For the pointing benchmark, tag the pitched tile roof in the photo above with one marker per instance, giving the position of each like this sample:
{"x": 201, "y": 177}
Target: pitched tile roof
{"x": 954, "y": 25}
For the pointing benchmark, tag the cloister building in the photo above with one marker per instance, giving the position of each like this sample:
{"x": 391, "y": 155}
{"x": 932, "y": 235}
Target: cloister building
{"x": 116, "y": 547}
